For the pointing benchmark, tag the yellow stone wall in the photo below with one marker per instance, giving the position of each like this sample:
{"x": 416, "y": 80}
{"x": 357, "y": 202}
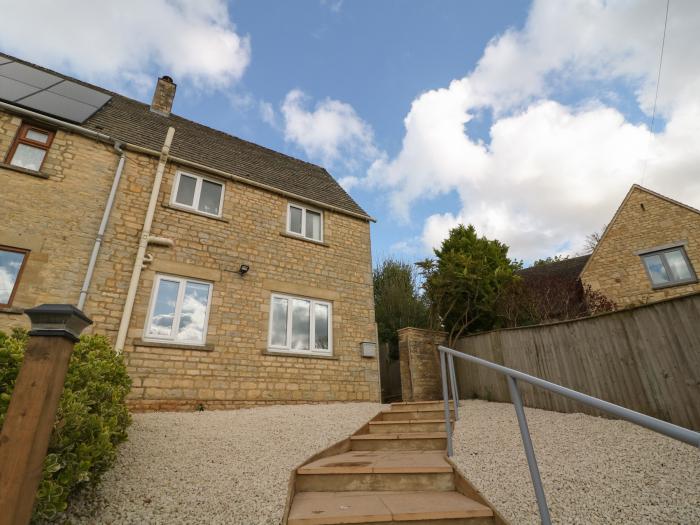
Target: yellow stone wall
{"x": 234, "y": 371}
{"x": 644, "y": 221}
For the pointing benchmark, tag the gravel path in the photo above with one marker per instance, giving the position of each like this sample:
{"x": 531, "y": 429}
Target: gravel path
{"x": 594, "y": 470}
{"x": 215, "y": 467}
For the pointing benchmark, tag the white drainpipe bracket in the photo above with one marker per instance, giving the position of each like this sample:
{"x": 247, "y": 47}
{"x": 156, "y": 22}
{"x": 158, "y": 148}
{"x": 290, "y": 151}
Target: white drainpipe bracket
{"x": 161, "y": 241}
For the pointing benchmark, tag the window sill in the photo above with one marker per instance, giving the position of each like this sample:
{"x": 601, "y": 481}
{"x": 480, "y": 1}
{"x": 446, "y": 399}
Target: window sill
{"x": 12, "y": 310}
{"x": 292, "y": 354}
{"x": 194, "y": 212}
{"x": 672, "y": 285}
{"x": 176, "y": 346}
{"x": 302, "y": 238}
{"x": 26, "y": 171}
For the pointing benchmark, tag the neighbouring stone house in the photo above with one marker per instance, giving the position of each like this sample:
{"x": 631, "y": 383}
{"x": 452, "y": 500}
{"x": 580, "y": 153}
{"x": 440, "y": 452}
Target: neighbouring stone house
{"x": 251, "y": 270}
{"x": 649, "y": 251}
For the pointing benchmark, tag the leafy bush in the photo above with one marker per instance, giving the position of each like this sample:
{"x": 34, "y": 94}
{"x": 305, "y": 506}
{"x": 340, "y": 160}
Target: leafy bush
{"x": 90, "y": 422}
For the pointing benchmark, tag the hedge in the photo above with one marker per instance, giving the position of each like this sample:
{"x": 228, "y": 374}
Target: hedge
{"x": 91, "y": 420}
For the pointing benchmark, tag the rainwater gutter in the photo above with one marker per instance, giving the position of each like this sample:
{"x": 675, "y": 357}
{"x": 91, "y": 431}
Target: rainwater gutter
{"x": 144, "y": 240}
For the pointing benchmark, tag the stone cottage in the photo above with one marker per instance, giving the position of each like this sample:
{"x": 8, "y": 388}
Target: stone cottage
{"x": 229, "y": 274}
{"x": 649, "y": 251}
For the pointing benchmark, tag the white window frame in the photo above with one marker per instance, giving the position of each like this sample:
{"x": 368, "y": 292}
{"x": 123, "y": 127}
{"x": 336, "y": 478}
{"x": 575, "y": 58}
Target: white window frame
{"x": 312, "y": 328}
{"x": 197, "y": 192}
{"x": 178, "y": 310}
{"x": 303, "y": 209}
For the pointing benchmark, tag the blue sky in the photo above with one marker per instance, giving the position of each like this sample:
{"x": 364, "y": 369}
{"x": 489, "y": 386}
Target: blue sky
{"x": 528, "y": 119}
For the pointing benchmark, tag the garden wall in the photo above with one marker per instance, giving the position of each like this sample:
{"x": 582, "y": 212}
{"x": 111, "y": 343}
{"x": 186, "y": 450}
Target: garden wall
{"x": 646, "y": 358}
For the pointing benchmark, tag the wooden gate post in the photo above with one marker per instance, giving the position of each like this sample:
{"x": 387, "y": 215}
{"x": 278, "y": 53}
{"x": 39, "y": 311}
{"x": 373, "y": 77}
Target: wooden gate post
{"x": 32, "y": 410}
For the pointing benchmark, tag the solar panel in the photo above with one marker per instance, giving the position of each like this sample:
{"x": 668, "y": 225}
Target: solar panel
{"x": 41, "y": 91}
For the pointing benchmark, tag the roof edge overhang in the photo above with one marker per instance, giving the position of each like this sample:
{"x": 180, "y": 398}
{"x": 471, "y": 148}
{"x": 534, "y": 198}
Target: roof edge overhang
{"x": 12, "y": 108}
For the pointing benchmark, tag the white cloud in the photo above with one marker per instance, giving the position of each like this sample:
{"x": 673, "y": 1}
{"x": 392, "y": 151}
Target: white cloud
{"x": 553, "y": 173}
{"x": 118, "y": 43}
{"x": 332, "y": 132}
{"x": 267, "y": 113}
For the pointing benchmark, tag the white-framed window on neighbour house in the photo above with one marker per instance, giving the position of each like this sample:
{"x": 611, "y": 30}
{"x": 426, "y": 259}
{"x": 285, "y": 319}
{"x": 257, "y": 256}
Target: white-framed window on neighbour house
{"x": 30, "y": 147}
{"x": 305, "y": 222}
{"x": 197, "y": 193}
{"x": 668, "y": 267}
{"x": 300, "y": 325}
{"x": 179, "y": 310}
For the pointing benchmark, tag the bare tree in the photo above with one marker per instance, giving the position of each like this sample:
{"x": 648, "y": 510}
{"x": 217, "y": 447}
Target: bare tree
{"x": 592, "y": 240}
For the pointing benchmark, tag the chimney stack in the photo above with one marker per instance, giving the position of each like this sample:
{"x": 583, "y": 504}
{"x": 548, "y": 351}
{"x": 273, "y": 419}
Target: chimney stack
{"x": 164, "y": 96}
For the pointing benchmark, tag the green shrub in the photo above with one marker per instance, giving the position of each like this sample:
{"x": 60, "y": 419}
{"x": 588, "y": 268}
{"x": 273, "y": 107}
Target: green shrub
{"x": 90, "y": 422}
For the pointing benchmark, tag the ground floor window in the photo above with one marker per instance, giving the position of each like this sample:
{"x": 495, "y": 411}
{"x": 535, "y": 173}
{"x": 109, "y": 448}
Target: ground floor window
{"x": 300, "y": 325}
{"x": 11, "y": 265}
{"x": 179, "y": 310}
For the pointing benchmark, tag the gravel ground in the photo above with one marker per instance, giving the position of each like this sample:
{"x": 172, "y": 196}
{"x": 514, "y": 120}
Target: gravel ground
{"x": 594, "y": 470}
{"x": 215, "y": 467}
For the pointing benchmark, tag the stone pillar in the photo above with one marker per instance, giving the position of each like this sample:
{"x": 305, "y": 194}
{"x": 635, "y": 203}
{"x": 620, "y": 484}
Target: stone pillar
{"x": 420, "y": 363}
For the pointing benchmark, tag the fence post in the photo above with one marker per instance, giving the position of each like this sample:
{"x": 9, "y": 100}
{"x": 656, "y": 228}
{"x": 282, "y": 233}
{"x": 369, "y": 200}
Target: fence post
{"x": 32, "y": 410}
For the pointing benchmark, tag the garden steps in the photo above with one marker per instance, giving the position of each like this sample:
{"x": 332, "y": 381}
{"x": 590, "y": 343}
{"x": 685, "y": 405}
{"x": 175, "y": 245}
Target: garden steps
{"x": 392, "y": 471}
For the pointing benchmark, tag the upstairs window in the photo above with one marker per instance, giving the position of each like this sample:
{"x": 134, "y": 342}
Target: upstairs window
{"x": 11, "y": 265}
{"x": 668, "y": 267}
{"x": 199, "y": 194}
{"x": 305, "y": 222}
{"x": 179, "y": 310}
{"x": 300, "y": 325}
{"x": 29, "y": 148}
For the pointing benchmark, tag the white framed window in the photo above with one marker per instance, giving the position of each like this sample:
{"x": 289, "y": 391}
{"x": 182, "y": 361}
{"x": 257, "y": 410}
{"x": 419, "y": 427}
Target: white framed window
{"x": 300, "y": 325}
{"x": 305, "y": 222}
{"x": 198, "y": 193}
{"x": 668, "y": 267}
{"x": 179, "y": 310}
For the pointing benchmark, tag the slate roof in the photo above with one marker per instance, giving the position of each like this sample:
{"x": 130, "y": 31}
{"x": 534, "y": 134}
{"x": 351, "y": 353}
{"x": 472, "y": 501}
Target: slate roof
{"x": 133, "y": 122}
{"x": 568, "y": 269}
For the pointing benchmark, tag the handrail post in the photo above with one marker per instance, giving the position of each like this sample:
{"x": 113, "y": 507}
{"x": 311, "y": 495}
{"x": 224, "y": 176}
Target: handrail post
{"x": 529, "y": 451}
{"x": 453, "y": 385}
{"x": 446, "y": 400}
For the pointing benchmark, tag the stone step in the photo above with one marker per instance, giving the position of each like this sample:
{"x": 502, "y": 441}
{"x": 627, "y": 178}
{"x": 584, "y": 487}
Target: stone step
{"x": 377, "y": 470}
{"x": 409, "y": 425}
{"x": 410, "y": 406}
{"x": 400, "y": 441}
{"x": 409, "y": 507}
{"x": 401, "y": 415}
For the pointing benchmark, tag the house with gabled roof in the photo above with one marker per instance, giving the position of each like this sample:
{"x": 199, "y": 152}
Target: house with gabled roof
{"x": 649, "y": 251}
{"x": 227, "y": 273}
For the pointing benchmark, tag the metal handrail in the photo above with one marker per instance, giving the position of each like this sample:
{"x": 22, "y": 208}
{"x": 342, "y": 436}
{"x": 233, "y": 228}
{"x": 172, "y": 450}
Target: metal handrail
{"x": 447, "y": 368}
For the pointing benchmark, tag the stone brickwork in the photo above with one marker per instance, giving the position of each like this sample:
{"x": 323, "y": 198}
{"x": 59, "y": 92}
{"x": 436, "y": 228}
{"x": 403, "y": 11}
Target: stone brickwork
{"x": 57, "y": 217}
{"x": 420, "y": 364}
{"x": 645, "y": 220}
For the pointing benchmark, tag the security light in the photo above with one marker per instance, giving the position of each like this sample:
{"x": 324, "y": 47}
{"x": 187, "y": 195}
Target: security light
{"x": 243, "y": 269}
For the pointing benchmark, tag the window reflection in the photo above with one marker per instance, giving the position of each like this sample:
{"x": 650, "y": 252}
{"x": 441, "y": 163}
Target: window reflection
{"x": 164, "y": 310}
{"x": 321, "y": 325}
{"x": 300, "y": 324}
{"x": 279, "y": 322}
{"x": 10, "y": 265}
{"x": 193, "y": 312}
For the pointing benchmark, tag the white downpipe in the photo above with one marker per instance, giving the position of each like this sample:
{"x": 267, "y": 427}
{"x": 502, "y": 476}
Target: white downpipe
{"x": 143, "y": 243}
{"x": 103, "y": 227}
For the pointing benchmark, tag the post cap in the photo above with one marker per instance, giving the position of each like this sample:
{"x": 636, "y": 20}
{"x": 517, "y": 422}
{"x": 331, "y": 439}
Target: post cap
{"x": 63, "y": 320}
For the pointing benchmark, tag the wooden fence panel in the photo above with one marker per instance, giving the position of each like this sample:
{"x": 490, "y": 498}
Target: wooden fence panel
{"x": 646, "y": 358}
